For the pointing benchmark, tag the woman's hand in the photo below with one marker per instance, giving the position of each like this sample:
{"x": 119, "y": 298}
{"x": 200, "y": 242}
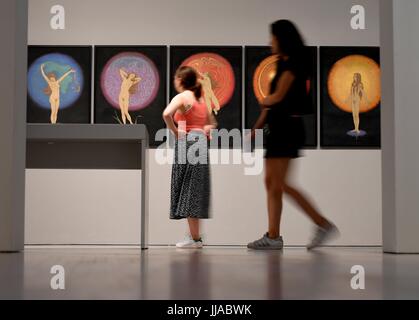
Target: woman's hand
{"x": 250, "y": 136}
{"x": 179, "y": 134}
{"x": 207, "y": 129}
{"x": 263, "y": 106}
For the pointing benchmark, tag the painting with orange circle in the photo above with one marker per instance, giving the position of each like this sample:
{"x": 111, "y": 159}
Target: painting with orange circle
{"x": 350, "y": 97}
{"x": 219, "y": 70}
{"x": 260, "y": 70}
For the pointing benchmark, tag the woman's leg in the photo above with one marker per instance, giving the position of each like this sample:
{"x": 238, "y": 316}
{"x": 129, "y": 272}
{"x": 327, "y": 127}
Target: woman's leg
{"x": 126, "y": 111}
{"x": 215, "y": 102}
{"x": 57, "y": 106}
{"x": 355, "y": 114}
{"x": 208, "y": 103}
{"x": 194, "y": 228}
{"x": 276, "y": 172}
{"x": 306, "y": 206}
{"x": 52, "y": 111}
{"x": 121, "y": 106}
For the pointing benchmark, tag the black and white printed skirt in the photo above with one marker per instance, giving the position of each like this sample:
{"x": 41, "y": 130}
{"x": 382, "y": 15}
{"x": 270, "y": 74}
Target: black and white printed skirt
{"x": 191, "y": 180}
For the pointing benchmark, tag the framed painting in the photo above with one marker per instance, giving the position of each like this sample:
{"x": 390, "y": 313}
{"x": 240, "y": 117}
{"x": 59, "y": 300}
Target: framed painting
{"x": 260, "y": 68}
{"x": 59, "y": 84}
{"x": 350, "y": 97}
{"x": 220, "y": 73}
{"x": 130, "y": 86}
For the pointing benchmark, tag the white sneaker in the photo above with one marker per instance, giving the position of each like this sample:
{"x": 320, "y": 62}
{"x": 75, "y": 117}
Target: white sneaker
{"x": 265, "y": 243}
{"x": 190, "y": 243}
{"x": 323, "y": 235}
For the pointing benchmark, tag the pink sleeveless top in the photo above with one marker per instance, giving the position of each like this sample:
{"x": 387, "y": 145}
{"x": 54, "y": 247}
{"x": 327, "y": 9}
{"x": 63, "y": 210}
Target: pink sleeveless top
{"x": 196, "y": 117}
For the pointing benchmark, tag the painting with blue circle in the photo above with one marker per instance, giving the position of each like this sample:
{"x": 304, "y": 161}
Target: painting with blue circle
{"x": 57, "y": 84}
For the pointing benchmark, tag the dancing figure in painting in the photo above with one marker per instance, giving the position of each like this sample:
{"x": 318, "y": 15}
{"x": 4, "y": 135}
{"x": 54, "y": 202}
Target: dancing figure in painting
{"x": 209, "y": 95}
{"x": 53, "y": 90}
{"x": 127, "y": 88}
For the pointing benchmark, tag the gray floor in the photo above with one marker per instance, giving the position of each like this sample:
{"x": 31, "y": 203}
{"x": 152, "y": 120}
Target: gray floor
{"x": 213, "y": 273}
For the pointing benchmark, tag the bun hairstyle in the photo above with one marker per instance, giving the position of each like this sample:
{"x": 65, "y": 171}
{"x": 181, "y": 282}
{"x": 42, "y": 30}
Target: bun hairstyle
{"x": 189, "y": 80}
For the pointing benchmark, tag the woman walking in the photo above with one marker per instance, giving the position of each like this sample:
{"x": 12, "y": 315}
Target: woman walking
{"x": 190, "y": 120}
{"x": 281, "y": 111}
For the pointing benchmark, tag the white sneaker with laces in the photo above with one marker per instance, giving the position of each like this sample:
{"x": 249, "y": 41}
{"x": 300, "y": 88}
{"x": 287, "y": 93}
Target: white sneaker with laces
{"x": 190, "y": 243}
{"x": 265, "y": 243}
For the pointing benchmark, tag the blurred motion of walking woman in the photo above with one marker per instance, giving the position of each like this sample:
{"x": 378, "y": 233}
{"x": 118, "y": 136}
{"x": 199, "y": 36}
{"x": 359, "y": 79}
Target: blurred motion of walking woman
{"x": 282, "y": 112}
{"x": 188, "y": 117}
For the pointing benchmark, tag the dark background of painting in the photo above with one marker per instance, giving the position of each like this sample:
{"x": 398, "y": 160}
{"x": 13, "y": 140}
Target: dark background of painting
{"x": 79, "y": 112}
{"x": 335, "y": 123}
{"x": 254, "y": 55}
{"x": 230, "y": 116}
{"x": 151, "y": 116}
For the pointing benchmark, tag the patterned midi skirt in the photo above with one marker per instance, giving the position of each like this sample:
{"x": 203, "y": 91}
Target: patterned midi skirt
{"x": 191, "y": 181}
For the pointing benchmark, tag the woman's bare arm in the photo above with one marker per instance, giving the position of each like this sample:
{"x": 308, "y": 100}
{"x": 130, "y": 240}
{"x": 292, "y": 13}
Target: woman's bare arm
{"x": 136, "y": 80}
{"x": 43, "y": 73}
{"x": 176, "y": 103}
{"x": 211, "y": 123}
{"x": 65, "y": 75}
{"x": 283, "y": 86}
{"x": 123, "y": 74}
{"x": 260, "y": 122}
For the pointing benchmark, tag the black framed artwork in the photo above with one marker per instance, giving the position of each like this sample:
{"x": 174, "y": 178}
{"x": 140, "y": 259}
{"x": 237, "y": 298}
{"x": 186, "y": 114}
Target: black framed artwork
{"x": 59, "y": 84}
{"x": 350, "y": 97}
{"x": 220, "y": 72}
{"x": 130, "y": 86}
{"x": 260, "y": 68}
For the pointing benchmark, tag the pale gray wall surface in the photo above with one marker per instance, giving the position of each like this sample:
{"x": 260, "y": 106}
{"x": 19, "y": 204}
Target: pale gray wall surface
{"x": 346, "y": 185}
{"x": 223, "y": 22}
{"x": 400, "y": 114}
{"x": 13, "y": 34}
{"x": 388, "y": 125}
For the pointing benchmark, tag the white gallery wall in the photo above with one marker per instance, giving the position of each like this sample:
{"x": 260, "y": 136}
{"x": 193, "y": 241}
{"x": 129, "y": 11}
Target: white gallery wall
{"x": 101, "y": 207}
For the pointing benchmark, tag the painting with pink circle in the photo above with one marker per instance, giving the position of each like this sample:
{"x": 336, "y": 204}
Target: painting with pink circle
{"x": 130, "y": 86}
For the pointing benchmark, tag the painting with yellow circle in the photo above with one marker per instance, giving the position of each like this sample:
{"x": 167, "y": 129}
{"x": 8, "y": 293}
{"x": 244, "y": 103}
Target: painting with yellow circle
{"x": 260, "y": 70}
{"x": 350, "y": 97}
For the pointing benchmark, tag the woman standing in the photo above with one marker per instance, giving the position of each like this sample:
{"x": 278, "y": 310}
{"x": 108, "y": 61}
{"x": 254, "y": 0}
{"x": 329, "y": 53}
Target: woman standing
{"x": 357, "y": 96}
{"x": 285, "y": 138}
{"x": 189, "y": 118}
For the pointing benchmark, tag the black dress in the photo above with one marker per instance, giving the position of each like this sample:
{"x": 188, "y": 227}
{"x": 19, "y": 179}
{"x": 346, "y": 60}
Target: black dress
{"x": 285, "y": 134}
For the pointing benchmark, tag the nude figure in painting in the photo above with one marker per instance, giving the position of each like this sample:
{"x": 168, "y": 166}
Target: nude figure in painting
{"x": 127, "y": 88}
{"x": 209, "y": 95}
{"x": 53, "y": 91}
{"x": 357, "y": 97}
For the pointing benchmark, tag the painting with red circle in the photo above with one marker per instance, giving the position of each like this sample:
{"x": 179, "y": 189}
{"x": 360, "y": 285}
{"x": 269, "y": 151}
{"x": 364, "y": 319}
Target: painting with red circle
{"x": 220, "y": 71}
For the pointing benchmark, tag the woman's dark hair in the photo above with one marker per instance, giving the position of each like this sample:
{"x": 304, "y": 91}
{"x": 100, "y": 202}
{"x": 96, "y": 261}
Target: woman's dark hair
{"x": 291, "y": 42}
{"x": 189, "y": 80}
